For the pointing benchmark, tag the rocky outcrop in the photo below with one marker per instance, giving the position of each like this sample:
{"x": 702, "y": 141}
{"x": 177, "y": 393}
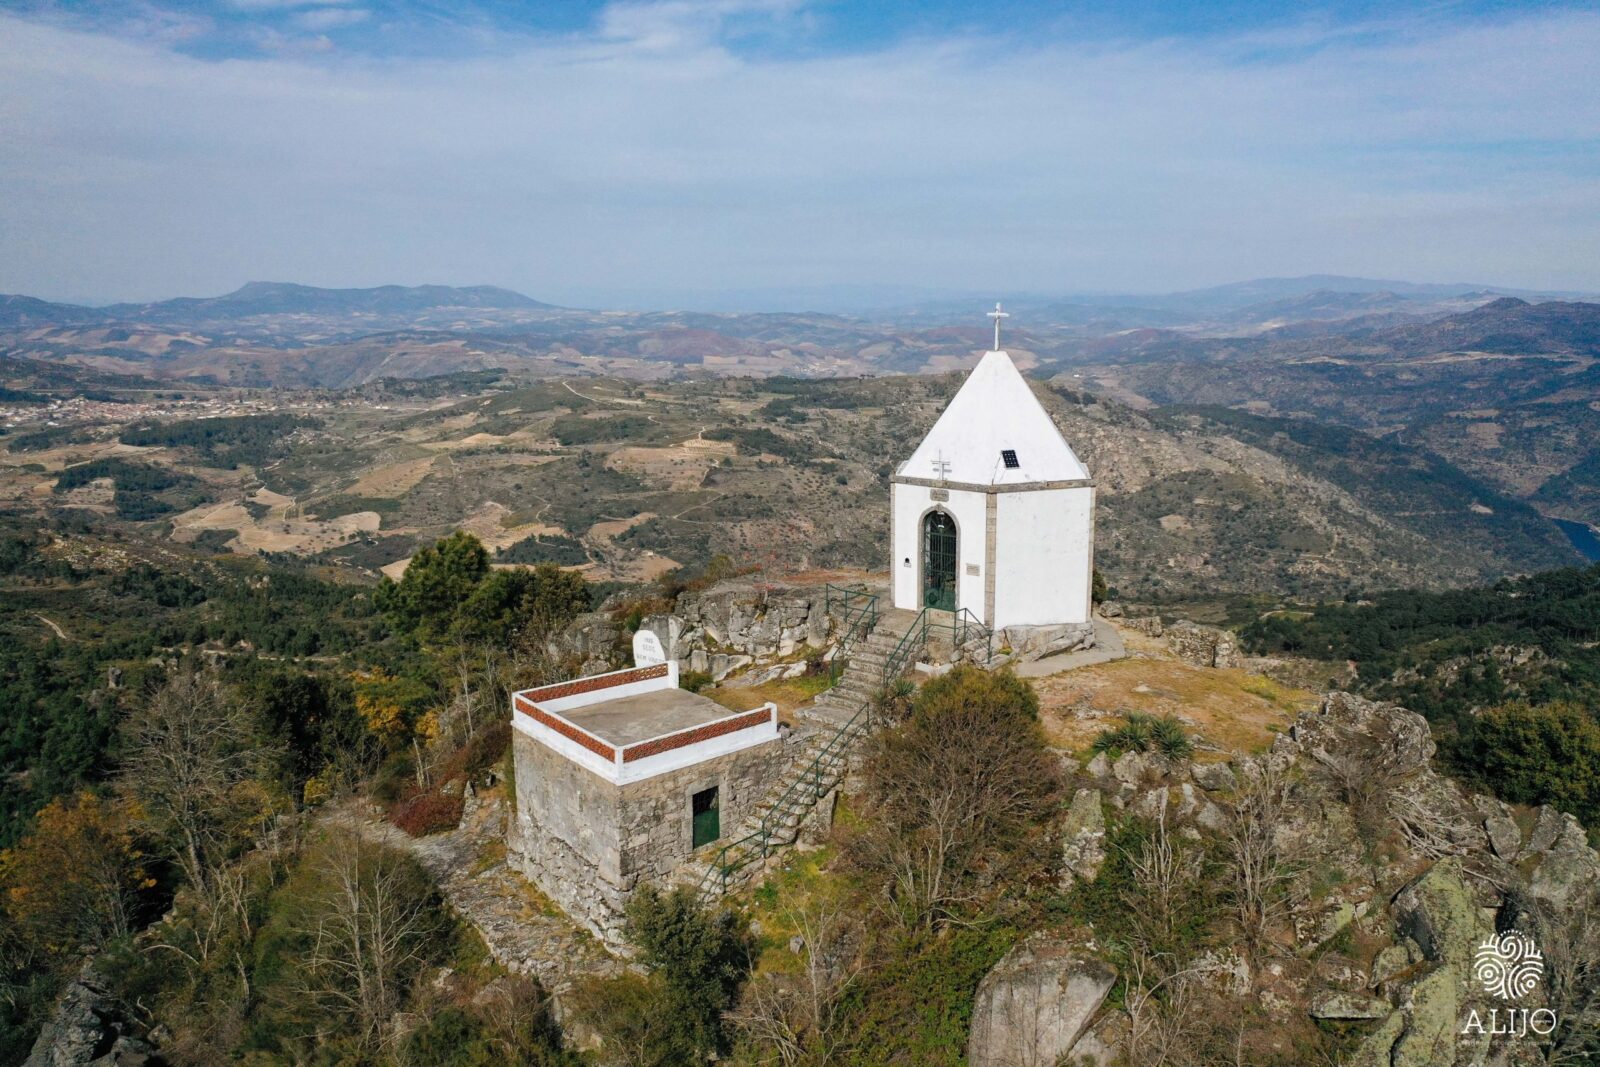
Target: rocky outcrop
{"x": 1394, "y": 876}
{"x": 1568, "y": 868}
{"x": 87, "y": 1028}
{"x": 591, "y": 639}
{"x": 1149, "y": 625}
{"x": 1029, "y": 643}
{"x": 756, "y": 620}
{"x": 1083, "y": 838}
{"x": 1035, "y": 1004}
{"x": 1203, "y": 646}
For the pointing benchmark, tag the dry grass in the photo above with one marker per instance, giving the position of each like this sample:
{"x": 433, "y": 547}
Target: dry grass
{"x": 273, "y": 534}
{"x": 788, "y": 694}
{"x": 1228, "y": 709}
{"x": 680, "y": 466}
{"x": 392, "y": 480}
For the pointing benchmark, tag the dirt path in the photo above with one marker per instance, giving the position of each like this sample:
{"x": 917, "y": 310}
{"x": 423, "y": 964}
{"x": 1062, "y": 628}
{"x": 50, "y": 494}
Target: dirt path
{"x": 51, "y": 623}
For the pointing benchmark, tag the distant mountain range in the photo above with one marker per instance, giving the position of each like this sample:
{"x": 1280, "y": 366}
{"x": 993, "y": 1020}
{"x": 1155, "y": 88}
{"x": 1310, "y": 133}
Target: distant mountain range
{"x": 269, "y": 298}
{"x": 1504, "y": 386}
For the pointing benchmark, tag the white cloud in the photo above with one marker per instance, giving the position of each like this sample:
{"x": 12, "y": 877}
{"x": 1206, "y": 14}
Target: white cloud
{"x": 281, "y": 5}
{"x": 647, "y": 154}
{"x": 331, "y": 18}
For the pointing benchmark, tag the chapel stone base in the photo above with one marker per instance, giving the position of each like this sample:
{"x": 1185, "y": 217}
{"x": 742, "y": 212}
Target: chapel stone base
{"x": 588, "y": 844}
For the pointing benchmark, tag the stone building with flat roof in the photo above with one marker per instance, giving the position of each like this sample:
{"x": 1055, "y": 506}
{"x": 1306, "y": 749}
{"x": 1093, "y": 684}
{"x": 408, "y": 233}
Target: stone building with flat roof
{"x": 621, "y": 777}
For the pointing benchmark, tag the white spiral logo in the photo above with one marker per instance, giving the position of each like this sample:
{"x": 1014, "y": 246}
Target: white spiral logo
{"x": 1509, "y": 965}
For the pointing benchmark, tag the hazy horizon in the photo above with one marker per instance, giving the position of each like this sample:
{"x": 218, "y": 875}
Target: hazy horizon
{"x": 847, "y": 299}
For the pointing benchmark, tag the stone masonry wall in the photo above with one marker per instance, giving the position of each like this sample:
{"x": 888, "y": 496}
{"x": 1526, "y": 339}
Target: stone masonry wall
{"x": 589, "y": 844}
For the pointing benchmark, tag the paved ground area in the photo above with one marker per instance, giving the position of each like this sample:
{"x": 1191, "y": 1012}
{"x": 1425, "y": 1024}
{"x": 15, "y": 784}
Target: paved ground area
{"x": 645, "y": 715}
{"x": 1108, "y": 646}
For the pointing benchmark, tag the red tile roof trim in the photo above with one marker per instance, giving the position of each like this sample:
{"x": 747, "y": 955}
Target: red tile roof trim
{"x": 579, "y": 686}
{"x": 657, "y": 745}
{"x": 565, "y": 728}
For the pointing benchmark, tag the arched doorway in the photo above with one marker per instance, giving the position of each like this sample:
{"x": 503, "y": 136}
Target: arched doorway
{"x": 939, "y": 561}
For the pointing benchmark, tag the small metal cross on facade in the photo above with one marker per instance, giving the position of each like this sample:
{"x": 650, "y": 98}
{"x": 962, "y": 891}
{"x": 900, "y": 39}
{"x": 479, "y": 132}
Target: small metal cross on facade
{"x": 941, "y": 467}
{"x": 997, "y": 315}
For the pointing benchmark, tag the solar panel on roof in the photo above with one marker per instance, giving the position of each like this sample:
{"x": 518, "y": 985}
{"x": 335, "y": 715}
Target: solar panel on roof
{"x": 1010, "y": 457}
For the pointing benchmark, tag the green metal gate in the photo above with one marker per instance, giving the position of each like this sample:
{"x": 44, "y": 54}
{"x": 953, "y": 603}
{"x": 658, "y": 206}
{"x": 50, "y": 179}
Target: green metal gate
{"x": 939, "y": 561}
{"x": 707, "y": 819}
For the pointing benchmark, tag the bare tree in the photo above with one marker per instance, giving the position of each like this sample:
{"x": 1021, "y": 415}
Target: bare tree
{"x": 1162, "y": 1025}
{"x": 1570, "y": 940}
{"x": 1261, "y": 868}
{"x": 794, "y": 1019}
{"x": 367, "y": 929}
{"x": 190, "y": 763}
{"x": 1166, "y": 876}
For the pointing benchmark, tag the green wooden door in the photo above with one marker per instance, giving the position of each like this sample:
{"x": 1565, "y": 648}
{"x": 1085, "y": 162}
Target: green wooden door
{"x": 939, "y": 561}
{"x": 707, "y": 819}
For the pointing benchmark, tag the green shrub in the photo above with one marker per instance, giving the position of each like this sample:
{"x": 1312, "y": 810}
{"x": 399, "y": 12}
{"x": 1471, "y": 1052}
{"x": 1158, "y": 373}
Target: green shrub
{"x": 699, "y": 956}
{"x": 1141, "y": 732}
{"x": 1528, "y": 755}
{"x": 915, "y": 1007}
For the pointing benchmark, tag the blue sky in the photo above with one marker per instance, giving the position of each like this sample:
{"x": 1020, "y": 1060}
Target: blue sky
{"x": 664, "y": 151}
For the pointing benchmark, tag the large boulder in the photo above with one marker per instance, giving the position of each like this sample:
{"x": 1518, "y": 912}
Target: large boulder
{"x": 1037, "y": 642}
{"x": 1203, "y": 646}
{"x": 87, "y": 1029}
{"x": 1035, "y": 1004}
{"x": 1442, "y": 915}
{"x": 1346, "y": 727}
{"x": 1083, "y": 838}
{"x": 590, "y": 636}
{"x": 1568, "y": 868}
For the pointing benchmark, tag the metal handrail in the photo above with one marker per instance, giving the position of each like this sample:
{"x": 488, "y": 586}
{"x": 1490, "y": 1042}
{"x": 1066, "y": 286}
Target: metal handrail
{"x": 722, "y": 866}
{"x": 914, "y": 638}
{"x": 962, "y": 622}
{"x": 865, "y": 620}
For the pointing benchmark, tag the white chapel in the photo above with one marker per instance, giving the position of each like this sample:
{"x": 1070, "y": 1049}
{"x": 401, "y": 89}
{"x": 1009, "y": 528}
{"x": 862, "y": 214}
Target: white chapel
{"x": 993, "y": 513}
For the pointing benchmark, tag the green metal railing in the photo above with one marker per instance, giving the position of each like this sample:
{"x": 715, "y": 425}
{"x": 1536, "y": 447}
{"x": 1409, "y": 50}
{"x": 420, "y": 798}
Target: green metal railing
{"x": 809, "y": 786}
{"x": 813, "y": 782}
{"x": 911, "y": 642}
{"x": 964, "y": 626}
{"x": 859, "y": 609}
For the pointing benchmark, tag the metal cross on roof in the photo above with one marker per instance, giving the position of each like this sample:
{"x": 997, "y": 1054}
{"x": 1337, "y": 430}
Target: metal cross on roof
{"x": 941, "y": 466}
{"x": 997, "y": 315}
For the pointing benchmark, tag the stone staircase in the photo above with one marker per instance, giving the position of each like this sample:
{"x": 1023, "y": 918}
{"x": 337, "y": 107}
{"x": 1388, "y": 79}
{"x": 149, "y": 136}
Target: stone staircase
{"x": 868, "y": 664}
{"x": 838, "y": 718}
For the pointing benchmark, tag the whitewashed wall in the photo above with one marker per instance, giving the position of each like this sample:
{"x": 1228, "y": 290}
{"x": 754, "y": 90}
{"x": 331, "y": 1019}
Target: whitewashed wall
{"x": 909, "y": 504}
{"x": 1044, "y": 557}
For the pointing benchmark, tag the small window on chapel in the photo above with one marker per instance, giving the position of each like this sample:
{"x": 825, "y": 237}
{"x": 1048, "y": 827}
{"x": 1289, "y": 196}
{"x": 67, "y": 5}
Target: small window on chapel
{"x": 1010, "y": 457}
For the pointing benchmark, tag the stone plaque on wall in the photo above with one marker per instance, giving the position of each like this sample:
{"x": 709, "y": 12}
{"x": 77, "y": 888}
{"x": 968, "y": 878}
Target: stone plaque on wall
{"x": 940, "y": 495}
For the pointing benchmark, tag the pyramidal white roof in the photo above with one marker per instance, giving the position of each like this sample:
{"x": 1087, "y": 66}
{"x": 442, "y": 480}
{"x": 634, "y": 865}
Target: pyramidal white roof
{"x": 994, "y": 413}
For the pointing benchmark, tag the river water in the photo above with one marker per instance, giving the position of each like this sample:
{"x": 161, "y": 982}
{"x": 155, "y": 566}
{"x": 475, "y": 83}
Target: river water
{"x": 1584, "y": 538}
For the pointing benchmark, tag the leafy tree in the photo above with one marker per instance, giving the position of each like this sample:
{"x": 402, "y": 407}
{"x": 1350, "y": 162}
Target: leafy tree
{"x": 512, "y": 603}
{"x": 701, "y": 957}
{"x": 77, "y": 881}
{"x": 1536, "y": 755}
{"x": 310, "y": 723}
{"x": 390, "y": 706}
{"x": 436, "y": 583}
